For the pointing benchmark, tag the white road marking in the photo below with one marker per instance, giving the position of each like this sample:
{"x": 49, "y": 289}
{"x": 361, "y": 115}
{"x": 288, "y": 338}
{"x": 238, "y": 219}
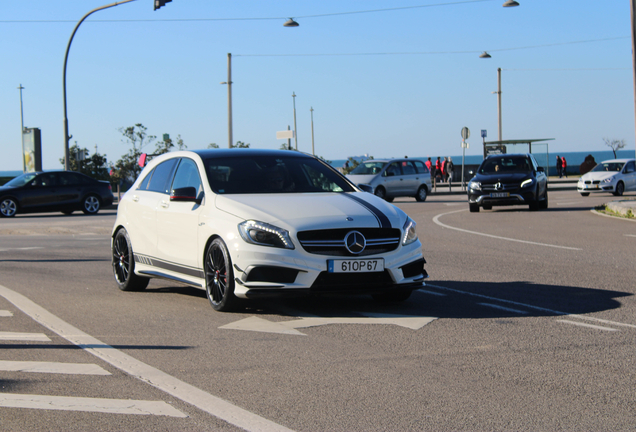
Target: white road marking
{"x": 586, "y": 325}
{"x": 52, "y": 367}
{"x": 436, "y": 220}
{"x": 551, "y": 311}
{"x": 35, "y": 337}
{"x": 289, "y": 327}
{"x": 504, "y": 308}
{"x": 630, "y": 235}
{"x": 112, "y": 406}
{"x": 20, "y": 249}
{"x": 181, "y": 390}
{"x": 5, "y": 313}
{"x": 430, "y": 292}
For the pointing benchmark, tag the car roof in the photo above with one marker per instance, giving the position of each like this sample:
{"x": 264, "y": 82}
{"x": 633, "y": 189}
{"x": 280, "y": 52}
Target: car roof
{"x": 507, "y": 155}
{"x": 391, "y": 160}
{"x": 247, "y": 151}
{"x": 618, "y": 160}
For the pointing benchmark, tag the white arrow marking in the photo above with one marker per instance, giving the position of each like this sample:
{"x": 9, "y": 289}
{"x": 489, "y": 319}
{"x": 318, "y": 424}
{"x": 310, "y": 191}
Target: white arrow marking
{"x": 289, "y": 327}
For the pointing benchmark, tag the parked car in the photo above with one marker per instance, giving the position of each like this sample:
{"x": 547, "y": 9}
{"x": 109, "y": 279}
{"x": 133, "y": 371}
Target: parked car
{"x": 392, "y": 178}
{"x": 244, "y": 223}
{"x": 615, "y": 176}
{"x": 508, "y": 179}
{"x": 64, "y": 191}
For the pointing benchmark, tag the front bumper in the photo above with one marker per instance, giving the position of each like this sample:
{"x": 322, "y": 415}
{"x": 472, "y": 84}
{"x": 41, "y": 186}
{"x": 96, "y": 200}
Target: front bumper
{"x": 512, "y": 198}
{"x": 279, "y": 272}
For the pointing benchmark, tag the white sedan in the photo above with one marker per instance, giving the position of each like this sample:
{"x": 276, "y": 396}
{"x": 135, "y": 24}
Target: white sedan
{"x": 243, "y": 223}
{"x": 615, "y": 176}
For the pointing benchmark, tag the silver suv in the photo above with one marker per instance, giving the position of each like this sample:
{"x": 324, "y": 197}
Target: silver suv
{"x": 391, "y": 178}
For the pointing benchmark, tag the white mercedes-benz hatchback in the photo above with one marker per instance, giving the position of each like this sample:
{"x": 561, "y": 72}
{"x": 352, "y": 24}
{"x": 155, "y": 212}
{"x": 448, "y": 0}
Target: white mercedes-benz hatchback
{"x": 244, "y": 223}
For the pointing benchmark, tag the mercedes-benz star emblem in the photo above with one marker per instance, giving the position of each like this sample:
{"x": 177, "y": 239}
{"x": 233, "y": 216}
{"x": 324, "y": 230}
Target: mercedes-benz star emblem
{"x": 498, "y": 186}
{"x": 355, "y": 242}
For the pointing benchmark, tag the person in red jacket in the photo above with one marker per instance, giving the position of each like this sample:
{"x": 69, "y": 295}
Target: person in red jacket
{"x": 564, "y": 165}
{"x": 438, "y": 170}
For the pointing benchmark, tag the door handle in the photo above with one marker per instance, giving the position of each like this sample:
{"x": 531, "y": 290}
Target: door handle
{"x": 135, "y": 198}
{"x": 164, "y": 204}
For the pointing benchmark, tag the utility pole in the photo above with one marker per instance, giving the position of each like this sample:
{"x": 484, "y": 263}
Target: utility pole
{"x": 229, "y": 100}
{"x": 311, "y": 110}
{"x": 295, "y": 131}
{"x": 22, "y": 128}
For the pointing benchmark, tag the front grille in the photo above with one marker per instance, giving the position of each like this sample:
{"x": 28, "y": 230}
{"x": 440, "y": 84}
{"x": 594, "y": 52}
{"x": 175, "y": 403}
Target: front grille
{"x": 332, "y": 242}
{"x": 272, "y": 274}
{"x": 349, "y": 282}
{"x": 500, "y": 187}
{"x": 413, "y": 269}
{"x": 592, "y": 182}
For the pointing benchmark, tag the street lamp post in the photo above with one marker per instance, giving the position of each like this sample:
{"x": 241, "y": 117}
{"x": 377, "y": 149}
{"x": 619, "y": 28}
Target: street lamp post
{"x": 229, "y": 100}
{"x": 499, "y": 102}
{"x": 295, "y": 131}
{"x": 67, "y": 165}
{"x": 633, "y": 16}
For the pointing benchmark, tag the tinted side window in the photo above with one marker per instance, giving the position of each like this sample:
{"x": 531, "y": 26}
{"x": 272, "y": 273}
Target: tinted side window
{"x": 162, "y": 176}
{"x": 70, "y": 178}
{"x": 393, "y": 170}
{"x": 421, "y": 168}
{"x": 408, "y": 168}
{"x": 630, "y": 167}
{"x": 144, "y": 183}
{"x": 187, "y": 175}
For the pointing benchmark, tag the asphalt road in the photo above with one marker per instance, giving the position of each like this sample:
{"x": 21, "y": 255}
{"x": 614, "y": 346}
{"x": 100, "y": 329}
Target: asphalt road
{"x": 527, "y": 323}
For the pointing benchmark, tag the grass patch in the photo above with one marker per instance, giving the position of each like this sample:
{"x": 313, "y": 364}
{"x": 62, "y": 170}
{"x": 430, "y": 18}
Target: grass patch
{"x": 605, "y": 210}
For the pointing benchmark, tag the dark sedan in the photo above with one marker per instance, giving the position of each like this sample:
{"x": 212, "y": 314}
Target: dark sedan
{"x": 508, "y": 179}
{"x": 64, "y": 191}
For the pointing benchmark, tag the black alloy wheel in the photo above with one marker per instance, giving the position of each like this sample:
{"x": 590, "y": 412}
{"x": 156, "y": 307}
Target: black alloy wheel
{"x": 219, "y": 277}
{"x": 8, "y": 207}
{"x": 91, "y": 205}
{"x": 620, "y": 188}
{"x": 124, "y": 264}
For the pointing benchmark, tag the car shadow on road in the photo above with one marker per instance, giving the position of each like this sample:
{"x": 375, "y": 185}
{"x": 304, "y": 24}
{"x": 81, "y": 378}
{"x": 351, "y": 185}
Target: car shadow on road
{"x": 461, "y": 300}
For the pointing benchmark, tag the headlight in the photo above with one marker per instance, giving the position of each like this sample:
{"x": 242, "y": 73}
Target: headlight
{"x": 410, "y": 235}
{"x": 264, "y": 234}
{"x": 474, "y": 185}
{"x": 608, "y": 180}
{"x": 526, "y": 183}
{"x": 581, "y": 180}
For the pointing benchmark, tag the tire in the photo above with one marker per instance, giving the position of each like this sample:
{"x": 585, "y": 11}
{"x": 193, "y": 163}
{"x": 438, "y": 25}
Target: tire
{"x": 8, "y": 207}
{"x": 620, "y": 188}
{"x": 422, "y": 194}
{"x": 124, "y": 264}
{"x": 395, "y": 295}
{"x": 534, "y": 204}
{"x": 219, "y": 277}
{"x": 91, "y": 205}
{"x": 585, "y": 194}
{"x": 380, "y": 193}
{"x": 474, "y": 208}
{"x": 67, "y": 212}
{"x": 543, "y": 205}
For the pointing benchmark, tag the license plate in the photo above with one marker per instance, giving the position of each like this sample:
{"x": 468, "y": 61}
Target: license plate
{"x": 355, "y": 265}
{"x": 499, "y": 195}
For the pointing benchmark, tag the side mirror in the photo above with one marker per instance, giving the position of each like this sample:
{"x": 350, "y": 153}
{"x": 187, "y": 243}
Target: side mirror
{"x": 185, "y": 194}
{"x": 366, "y": 188}
{"x": 540, "y": 169}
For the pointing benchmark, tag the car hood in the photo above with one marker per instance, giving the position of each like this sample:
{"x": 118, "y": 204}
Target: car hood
{"x": 600, "y": 175}
{"x": 298, "y": 212}
{"x": 361, "y": 178}
{"x": 504, "y": 177}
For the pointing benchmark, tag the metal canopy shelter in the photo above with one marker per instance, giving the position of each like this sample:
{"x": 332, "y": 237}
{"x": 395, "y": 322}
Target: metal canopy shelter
{"x": 500, "y": 144}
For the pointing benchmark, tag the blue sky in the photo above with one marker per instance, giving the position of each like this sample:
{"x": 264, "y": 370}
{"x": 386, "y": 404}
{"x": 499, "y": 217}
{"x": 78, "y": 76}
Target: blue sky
{"x": 400, "y": 78}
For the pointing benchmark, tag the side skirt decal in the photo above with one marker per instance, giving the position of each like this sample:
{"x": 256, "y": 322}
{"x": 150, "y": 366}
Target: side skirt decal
{"x": 189, "y": 271}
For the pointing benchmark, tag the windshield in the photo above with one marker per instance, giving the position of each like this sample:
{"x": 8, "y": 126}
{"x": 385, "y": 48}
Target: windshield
{"x": 609, "y": 166}
{"x": 368, "y": 168}
{"x": 21, "y": 180}
{"x": 514, "y": 164}
{"x": 273, "y": 174}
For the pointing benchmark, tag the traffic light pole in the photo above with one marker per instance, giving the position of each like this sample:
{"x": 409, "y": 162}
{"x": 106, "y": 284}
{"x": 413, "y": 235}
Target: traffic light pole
{"x": 67, "y": 138}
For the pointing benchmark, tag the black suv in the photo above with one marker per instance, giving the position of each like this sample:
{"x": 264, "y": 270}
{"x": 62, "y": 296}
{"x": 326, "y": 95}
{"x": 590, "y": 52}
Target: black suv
{"x": 508, "y": 179}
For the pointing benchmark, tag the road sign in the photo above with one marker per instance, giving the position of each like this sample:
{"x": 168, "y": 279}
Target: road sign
{"x": 465, "y": 144}
{"x": 465, "y": 133}
{"x": 288, "y": 134}
{"x": 484, "y": 134}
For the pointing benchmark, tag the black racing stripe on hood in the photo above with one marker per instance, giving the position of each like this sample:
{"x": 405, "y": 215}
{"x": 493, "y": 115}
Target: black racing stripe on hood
{"x": 381, "y": 217}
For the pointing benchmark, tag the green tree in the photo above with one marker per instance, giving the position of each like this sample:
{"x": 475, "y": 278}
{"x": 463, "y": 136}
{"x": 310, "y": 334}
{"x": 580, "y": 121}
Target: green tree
{"x": 239, "y": 144}
{"x": 167, "y": 145}
{"x": 94, "y": 166}
{"x": 127, "y": 167}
